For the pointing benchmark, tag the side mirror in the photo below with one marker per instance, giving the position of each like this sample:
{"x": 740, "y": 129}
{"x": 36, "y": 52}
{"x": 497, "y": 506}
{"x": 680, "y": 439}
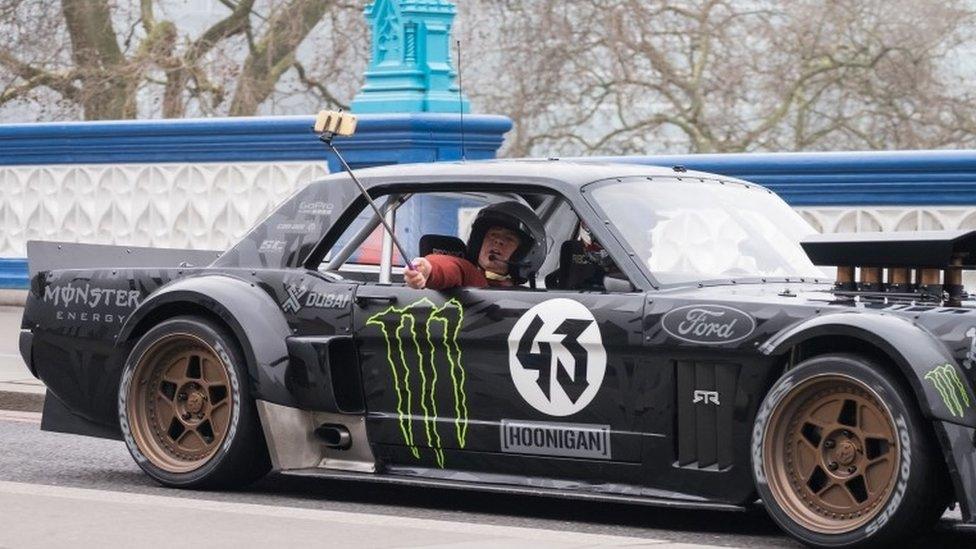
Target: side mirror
{"x": 615, "y": 285}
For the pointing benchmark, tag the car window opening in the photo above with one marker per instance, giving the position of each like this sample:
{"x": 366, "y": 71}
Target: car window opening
{"x": 440, "y": 223}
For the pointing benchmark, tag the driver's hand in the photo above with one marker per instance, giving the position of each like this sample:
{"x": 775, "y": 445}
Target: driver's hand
{"x": 416, "y": 277}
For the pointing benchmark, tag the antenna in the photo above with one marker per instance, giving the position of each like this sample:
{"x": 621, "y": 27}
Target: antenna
{"x": 460, "y": 97}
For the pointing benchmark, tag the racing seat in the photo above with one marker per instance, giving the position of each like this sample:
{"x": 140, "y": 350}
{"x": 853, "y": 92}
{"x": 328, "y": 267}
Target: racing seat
{"x": 442, "y": 245}
{"x": 576, "y": 271}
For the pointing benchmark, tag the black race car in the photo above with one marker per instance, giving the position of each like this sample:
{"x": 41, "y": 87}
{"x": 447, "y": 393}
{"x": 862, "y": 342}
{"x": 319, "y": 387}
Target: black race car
{"x": 674, "y": 345}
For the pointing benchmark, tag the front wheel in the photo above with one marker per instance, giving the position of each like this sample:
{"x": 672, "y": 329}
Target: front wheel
{"x": 184, "y": 409}
{"x": 842, "y": 458}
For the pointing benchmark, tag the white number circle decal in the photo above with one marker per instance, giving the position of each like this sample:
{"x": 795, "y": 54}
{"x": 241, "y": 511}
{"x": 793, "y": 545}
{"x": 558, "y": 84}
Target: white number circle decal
{"x": 556, "y": 357}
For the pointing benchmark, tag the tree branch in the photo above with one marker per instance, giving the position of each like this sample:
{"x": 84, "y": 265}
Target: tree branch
{"x": 318, "y": 86}
{"x": 274, "y": 53}
{"x": 35, "y": 77}
{"x": 179, "y": 71}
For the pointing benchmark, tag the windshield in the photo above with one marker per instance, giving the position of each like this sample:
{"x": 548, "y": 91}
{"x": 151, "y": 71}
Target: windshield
{"x": 685, "y": 231}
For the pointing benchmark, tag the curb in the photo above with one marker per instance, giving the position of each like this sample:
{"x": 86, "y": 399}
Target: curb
{"x": 21, "y": 401}
{"x": 13, "y": 298}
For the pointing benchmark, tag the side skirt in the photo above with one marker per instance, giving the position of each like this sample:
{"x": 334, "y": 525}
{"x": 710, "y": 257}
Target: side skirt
{"x": 292, "y": 443}
{"x": 409, "y": 478}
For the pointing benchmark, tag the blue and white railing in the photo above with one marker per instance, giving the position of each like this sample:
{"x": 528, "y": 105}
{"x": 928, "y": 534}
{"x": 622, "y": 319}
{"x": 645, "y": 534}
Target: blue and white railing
{"x": 191, "y": 183}
{"x": 202, "y": 183}
{"x": 857, "y": 191}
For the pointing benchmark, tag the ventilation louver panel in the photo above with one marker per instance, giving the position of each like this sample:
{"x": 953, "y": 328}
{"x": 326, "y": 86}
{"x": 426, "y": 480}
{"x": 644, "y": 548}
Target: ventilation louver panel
{"x": 704, "y": 431}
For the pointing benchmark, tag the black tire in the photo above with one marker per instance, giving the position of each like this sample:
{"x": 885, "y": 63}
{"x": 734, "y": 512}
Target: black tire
{"x": 235, "y": 453}
{"x": 911, "y": 486}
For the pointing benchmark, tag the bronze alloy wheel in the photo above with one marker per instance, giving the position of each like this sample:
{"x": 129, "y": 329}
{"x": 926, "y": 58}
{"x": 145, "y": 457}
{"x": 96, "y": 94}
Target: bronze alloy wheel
{"x": 831, "y": 454}
{"x": 179, "y": 403}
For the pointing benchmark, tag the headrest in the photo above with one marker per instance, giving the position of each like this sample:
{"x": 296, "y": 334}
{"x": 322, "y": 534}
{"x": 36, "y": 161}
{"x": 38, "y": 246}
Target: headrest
{"x": 442, "y": 245}
{"x": 576, "y": 270}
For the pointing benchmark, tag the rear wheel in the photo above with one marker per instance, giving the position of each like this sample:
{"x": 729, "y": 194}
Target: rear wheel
{"x": 185, "y": 413}
{"x": 842, "y": 458}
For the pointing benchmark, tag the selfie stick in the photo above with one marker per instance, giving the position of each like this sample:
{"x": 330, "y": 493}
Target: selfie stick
{"x": 329, "y": 124}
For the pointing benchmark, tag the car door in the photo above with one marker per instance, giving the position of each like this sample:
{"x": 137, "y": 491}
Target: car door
{"x": 499, "y": 378}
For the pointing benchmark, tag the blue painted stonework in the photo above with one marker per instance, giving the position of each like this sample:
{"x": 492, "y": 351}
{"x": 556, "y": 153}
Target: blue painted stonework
{"x": 875, "y": 178}
{"x": 379, "y": 140}
{"x": 410, "y": 69}
{"x": 13, "y": 274}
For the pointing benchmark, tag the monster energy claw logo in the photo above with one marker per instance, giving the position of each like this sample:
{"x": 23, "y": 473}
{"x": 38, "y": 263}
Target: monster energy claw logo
{"x": 421, "y": 343}
{"x": 950, "y": 388}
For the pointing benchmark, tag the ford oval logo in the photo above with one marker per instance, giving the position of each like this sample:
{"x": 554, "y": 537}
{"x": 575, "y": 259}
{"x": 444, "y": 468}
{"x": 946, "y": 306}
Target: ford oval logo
{"x": 708, "y": 324}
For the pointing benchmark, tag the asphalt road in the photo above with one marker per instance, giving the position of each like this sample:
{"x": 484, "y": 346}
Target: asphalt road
{"x": 58, "y": 490}
{"x": 33, "y": 457}
{"x": 47, "y": 478}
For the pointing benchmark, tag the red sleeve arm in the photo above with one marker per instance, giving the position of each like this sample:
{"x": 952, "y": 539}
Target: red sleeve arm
{"x": 448, "y": 271}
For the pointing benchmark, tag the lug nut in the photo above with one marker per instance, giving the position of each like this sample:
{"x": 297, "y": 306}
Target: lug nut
{"x": 829, "y": 443}
{"x": 852, "y": 469}
{"x": 181, "y": 396}
{"x": 186, "y": 415}
{"x": 846, "y": 433}
{"x": 832, "y": 465}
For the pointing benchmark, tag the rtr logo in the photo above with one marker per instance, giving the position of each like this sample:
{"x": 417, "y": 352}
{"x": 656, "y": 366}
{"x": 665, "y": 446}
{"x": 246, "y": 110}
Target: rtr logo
{"x": 707, "y": 397}
{"x": 556, "y": 357}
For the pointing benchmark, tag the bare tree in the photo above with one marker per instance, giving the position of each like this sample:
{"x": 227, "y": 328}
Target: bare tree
{"x": 117, "y": 60}
{"x": 576, "y": 76}
{"x": 639, "y": 76}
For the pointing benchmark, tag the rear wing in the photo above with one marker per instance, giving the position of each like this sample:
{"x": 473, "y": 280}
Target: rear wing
{"x": 44, "y": 255}
{"x": 919, "y": 263}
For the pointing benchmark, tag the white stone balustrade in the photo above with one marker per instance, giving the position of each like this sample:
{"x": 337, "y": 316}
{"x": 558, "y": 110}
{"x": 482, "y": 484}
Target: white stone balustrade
{"x": 846, "y": 219}
{"x": 211, "y": 205}
{"x": 200, "y": 206}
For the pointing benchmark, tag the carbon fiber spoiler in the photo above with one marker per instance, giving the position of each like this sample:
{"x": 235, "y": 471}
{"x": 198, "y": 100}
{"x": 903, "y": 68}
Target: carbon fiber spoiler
{"x": 935, "y": 249}
{"x": 44, "y": 255}
{"x": 916, "y": 264}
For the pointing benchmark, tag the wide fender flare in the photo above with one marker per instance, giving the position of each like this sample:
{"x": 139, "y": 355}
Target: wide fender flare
{"x": 914, "y": 350}
{"x": 254, "y": 318}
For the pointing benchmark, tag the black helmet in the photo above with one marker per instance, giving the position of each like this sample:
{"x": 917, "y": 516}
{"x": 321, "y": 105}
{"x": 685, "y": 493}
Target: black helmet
{"x": 529, "y": 256}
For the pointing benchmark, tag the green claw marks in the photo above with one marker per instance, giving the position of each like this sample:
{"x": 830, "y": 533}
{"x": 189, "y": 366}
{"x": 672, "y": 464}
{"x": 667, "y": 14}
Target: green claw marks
{"x": 950, "y": 388}
{"x": 422, "y": 340}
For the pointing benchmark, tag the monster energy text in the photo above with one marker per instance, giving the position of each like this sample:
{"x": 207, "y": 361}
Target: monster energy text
{"x": 950, "y": 388}
{"x": 421, "y": 346}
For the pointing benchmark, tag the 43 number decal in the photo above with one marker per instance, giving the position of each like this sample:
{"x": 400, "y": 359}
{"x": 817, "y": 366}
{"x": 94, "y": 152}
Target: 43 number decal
{"x": 556, "y": 357}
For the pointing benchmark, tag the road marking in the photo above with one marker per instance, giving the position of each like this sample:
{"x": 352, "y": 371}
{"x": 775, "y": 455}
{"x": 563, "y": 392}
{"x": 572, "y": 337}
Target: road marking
{"x": 23, "y": 417}
{"x": 354, "y": 519}
{"x": 11, "y": 355}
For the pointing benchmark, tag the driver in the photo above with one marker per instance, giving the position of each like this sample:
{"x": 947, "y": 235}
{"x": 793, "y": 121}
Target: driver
{"x": 503, "y": 250}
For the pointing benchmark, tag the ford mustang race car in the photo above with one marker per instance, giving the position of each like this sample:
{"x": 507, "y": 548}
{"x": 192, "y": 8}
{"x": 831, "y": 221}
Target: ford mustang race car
{"x": 674, "y": 345}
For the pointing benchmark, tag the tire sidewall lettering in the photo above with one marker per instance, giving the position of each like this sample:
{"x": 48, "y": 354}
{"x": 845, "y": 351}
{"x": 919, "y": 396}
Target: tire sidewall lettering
{"x": 772, "y": 400}
{"x": 904, "y": 474}
{"x": 124, "y": 416}
{"x": 235, "y": 402}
